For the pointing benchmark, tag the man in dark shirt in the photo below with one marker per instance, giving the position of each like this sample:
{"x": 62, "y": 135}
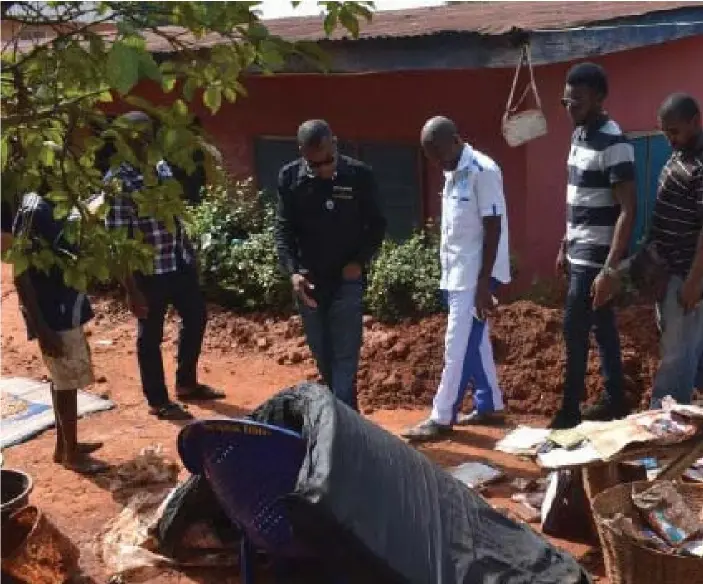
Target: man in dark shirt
{"x": 55, "y": 314}
{"x": 677, "y": 233}
{"x": 601, "y": 206}
{"x": 328, "y": 228}
{"x": 174, "y": 281}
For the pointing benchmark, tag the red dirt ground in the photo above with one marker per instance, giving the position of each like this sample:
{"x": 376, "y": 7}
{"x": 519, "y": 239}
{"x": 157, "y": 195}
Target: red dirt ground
{"x": 252, "y": 358}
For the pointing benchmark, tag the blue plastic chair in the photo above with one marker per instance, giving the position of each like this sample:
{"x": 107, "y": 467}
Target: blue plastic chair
{"x": 250, "y": 467}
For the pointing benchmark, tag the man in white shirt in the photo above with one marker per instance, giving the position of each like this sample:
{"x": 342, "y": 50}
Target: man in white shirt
{"x": 475, "y": 261}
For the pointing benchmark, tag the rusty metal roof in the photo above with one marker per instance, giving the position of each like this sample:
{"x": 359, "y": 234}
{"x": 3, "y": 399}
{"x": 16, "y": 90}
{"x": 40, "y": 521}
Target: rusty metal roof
{"x": 487, "y": 18}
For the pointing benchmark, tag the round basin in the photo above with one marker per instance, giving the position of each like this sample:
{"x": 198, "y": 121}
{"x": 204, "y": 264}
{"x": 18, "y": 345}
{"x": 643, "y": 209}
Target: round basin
{"x": 15, "y": 486}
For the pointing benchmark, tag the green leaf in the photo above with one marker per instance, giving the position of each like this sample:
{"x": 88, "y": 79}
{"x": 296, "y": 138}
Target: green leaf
{"x": 20, "y": 262}
{"x": 212, "y": 98}
{"x": 330, "y": 22}
{"x": 123, "y": 67}
{"x": 47, "y": 156}
{"x": 349, "y": 21}
{"x": 168, "y": 82}
{"x": 105, "y": 97}
{"x": 180, "y": 108}
{"x": 230, "y": 94}
{"x": 4, "y": 151}
{"x": 148, "y": 67}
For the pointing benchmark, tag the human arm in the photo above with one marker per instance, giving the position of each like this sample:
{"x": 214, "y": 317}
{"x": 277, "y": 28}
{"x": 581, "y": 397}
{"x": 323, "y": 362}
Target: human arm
{"x": 374, "y": 225}
{"x": 620, "y": 166}
{"x": 692, "y": 291}
{"x": 32, "y": 225}
{"x": 491, "y": 203}
{"x": 121, "y": 214}
{"x": 287, "y": 242}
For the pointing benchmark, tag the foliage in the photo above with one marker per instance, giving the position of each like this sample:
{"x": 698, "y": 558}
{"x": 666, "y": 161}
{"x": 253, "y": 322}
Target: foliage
{"x": 233, "y": 232}
{"x": 54, "y": 91}
{"x": 404, "y": 278}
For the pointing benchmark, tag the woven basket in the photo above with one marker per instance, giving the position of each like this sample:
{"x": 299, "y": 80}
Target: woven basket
{"x": 627, "y": 562}
{"x": 35, "y": 551}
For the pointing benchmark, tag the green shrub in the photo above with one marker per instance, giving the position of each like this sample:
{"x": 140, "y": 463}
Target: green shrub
{"x": 404, "y": 279}
{"x": 233, "y": 231}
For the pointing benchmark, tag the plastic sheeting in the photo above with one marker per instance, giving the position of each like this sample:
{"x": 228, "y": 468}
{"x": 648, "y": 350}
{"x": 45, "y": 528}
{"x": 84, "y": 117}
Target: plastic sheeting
{"x": 377, "y": 510}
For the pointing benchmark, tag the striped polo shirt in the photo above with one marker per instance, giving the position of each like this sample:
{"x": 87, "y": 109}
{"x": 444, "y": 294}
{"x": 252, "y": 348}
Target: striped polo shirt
{"x": 677, "y": 219}
{"x": 600, "y": 158}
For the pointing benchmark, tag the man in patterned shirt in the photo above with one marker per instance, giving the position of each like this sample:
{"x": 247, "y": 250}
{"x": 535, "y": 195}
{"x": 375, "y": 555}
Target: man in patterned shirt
{"x": 601, "y": 207}
{"x": 174, "y": 281}
{"x": 677, "y": 233}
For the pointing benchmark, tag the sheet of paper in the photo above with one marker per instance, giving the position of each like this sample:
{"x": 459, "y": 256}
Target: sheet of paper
{"x": 562, "y": 458}
{"x": 524, "y": 440}
{"x": 475, "y": 474}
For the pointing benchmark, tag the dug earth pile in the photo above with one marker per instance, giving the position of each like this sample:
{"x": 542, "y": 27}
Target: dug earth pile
{"x": 401, "y": 364}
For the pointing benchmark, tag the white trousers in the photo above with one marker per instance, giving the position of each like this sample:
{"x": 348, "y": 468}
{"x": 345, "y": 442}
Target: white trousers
{"x": 468, "y": 359}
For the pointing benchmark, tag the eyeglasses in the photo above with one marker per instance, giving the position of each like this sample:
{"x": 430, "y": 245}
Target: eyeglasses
{"x": 570, "y": 101}
{"x": 320, "y": 163}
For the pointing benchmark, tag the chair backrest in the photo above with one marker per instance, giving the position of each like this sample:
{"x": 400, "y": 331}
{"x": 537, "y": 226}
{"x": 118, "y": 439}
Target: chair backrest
{"x": 249, "y": 466}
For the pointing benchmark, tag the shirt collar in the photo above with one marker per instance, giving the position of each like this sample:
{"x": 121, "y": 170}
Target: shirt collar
{"x": 594, "y": 125}
{"x": 465, "y": 160}
{"x": 307, "y": 172}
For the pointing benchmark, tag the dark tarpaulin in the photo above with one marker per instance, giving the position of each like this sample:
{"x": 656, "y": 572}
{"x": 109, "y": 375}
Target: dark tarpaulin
{"x": 379, "y": 511}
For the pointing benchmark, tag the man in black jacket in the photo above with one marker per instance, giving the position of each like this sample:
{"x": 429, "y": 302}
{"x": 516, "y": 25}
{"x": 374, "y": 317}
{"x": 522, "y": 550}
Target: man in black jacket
{"x": 328, "y": 228}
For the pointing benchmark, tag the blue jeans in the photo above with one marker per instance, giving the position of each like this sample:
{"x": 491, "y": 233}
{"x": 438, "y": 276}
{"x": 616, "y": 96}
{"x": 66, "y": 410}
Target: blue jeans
{"x": 681, "y": 348}
{"x": 579, "y": 320}
{"x": 333, "y": 331}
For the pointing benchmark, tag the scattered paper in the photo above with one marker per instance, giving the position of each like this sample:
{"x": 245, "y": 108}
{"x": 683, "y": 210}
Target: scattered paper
{"x": 476, "y": 474}
{"x": 523, "y": 441}
{"x": 563, "y": 458}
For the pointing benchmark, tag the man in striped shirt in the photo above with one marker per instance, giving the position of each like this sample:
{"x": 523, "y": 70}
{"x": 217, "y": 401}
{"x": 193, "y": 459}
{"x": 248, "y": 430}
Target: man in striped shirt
{"x": 677, "y": 232}
{"x": 601, "y": 207}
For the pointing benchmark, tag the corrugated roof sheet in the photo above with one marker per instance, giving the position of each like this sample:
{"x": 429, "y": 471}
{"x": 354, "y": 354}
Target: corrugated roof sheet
{"x": 486, "y": 18}
{"x": 489, "y": 18}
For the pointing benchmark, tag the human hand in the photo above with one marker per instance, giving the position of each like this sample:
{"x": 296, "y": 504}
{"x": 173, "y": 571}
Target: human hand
{"x": 351, "y": 272}
{"x": 301, "y": 288}
{"x": 603, "y": 289}
{"x": 485, "y": 302}
{"x": 691, "y": 294}
{"x": 561, "y": 263}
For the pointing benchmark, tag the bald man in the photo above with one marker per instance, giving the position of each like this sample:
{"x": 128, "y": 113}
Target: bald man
{"x": 329, "y": 226}
{"x": 475, "y": 261}
{"x": 677, "y": 232}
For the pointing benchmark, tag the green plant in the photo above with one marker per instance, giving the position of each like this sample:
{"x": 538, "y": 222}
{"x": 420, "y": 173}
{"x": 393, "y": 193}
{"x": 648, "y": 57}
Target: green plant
{"x": 54, "y": 89}
{"x": 233, "y": 231}
{"x": 404, "y": 279}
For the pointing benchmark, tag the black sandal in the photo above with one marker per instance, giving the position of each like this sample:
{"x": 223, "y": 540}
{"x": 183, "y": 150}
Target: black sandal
{"x": 201, "y": 392}
{"x": 171, "y": 411}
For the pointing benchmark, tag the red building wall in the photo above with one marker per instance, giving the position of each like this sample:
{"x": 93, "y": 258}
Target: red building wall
{"x": 391, "y": 107}
{"x": 639, "y": 81}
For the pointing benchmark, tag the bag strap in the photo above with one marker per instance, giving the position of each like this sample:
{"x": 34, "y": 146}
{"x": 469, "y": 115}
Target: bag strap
{"x": 511, "y": 107}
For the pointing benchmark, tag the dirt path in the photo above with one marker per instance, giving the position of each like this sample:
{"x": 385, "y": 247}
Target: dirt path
{"x": 80, "y": 506}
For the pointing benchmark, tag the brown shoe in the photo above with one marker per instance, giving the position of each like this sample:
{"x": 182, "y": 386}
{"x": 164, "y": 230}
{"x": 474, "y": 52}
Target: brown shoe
{"x": 427, "y": 431}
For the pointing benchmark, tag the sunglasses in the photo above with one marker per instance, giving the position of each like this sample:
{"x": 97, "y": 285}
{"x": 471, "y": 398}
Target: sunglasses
{"x": 320, "y": 163}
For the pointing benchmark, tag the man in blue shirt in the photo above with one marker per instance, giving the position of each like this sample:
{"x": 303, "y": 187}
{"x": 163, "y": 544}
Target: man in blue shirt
{"x": 55, "y": 314}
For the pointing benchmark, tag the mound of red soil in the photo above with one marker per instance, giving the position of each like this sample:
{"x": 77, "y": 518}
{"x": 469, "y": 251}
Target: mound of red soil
{"x": 401, "y": 365}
